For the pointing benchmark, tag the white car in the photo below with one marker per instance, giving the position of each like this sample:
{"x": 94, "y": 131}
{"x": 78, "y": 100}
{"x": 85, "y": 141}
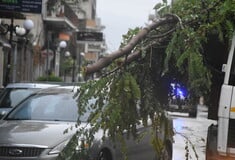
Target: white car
{"x": 36, "y": 129}
{"x": 13, "y": 93}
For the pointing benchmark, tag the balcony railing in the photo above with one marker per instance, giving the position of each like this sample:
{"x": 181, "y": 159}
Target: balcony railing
{"x": 58, "y": 11}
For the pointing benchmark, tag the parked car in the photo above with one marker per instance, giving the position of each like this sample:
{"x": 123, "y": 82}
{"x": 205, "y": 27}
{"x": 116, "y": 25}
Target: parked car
{"x": 35, "y": 129}
{"x": 13, "y": 93}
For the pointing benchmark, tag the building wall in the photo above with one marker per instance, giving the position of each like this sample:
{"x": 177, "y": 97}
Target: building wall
{"x": 22, "y": 54}
{"x": 30, "y": 65}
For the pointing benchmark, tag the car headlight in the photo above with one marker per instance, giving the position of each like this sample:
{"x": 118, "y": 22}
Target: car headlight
{"x": 80, "y": 146}
{"x": 59, "y": 148}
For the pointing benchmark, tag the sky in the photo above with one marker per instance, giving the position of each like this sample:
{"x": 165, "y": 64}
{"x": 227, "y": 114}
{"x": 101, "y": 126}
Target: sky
{"x": 118, "y": 16}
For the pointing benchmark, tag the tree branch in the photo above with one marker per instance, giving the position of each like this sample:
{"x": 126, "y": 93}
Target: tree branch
{"x": 107, "y": 60}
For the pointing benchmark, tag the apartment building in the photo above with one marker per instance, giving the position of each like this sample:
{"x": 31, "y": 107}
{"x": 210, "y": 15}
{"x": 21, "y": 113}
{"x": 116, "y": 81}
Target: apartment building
{"x": 40, "y": 54}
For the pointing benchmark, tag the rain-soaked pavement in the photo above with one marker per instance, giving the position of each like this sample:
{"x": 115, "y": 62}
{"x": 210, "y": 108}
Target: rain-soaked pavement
{"x": 190, "y": 136}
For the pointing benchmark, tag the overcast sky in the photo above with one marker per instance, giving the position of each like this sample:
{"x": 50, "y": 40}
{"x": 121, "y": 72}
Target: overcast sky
{"x": 120, "y": 15}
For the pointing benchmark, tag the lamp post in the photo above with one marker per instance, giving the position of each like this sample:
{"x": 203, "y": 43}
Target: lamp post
{"x": 81, "y": 55}
{"x": 67, "y": 55}
{"x": 62, "y": 45}
{"x": 73, "y": 69}
{"x": 70, "y": 58}
{"x": 18, "y": 31}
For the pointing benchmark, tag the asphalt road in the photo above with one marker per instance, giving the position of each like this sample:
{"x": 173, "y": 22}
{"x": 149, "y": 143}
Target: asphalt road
{"x": 190, "y": 136}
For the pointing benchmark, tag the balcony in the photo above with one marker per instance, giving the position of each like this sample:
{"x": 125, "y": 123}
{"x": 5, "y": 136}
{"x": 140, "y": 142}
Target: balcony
{"x": 59, "y": 16}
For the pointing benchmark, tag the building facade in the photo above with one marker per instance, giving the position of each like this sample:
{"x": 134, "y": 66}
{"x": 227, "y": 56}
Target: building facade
{"x": 40, "y": 54}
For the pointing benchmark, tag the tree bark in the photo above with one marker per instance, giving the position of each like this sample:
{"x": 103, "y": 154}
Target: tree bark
{"x": 107, "y": 60}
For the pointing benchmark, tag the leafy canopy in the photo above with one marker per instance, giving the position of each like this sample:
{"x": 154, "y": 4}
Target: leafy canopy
{"x": 132, "y": 92}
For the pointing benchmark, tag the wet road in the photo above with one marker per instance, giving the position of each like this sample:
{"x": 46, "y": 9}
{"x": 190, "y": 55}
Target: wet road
{"x": 190, "y": 137}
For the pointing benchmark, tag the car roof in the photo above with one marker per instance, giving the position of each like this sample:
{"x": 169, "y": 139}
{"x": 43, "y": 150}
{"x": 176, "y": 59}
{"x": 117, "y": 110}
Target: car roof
{"x": 30, "y": 85}
{"x": 59, "y": 89}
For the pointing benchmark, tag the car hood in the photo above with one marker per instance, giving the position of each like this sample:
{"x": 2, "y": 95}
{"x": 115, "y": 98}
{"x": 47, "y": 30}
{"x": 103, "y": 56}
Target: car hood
{"x": 42, "y": 133}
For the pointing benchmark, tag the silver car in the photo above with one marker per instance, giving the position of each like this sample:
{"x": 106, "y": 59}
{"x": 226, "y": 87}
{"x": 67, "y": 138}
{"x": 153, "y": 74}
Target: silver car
{"x": 13, "y": 93}
{"x": 42, "y": 125}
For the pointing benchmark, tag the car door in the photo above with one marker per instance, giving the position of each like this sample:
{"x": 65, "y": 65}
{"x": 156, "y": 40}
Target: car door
{"x": 140, "y": 148}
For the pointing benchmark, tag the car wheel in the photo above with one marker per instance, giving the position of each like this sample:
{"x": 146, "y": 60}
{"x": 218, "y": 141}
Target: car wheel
{"x": 105, "y": 155}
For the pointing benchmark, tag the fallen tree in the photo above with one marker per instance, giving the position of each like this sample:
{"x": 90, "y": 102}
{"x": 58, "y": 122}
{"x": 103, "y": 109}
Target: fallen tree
{"x": 136, "y": 78}
{"x": 189, "y": 55}
{"x": 128, "y": 48}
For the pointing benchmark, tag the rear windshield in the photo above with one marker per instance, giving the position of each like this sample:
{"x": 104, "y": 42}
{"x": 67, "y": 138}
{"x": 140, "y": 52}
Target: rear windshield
{"x": 10, "y": 97}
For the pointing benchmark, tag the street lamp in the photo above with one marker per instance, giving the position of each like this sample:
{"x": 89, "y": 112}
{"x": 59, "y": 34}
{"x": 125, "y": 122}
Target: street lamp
{"x": 67, "y": 55}
{"x": 62, "y": 45}
{"x": 18, "y": 31}
{"x": 81, "y": 55}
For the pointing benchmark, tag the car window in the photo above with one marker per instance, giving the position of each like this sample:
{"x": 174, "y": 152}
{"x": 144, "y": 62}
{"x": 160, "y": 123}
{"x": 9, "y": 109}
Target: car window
{"x": 10, "y": 97}
{"x": 59, "y": 107}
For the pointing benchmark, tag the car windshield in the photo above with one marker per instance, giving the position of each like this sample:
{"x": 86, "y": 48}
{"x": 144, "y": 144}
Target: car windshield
{"x": 10, "y": 97}
{"x": 48, "y": 107}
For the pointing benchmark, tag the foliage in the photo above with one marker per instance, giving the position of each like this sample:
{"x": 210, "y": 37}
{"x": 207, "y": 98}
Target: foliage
{"x": 51, "y": 78}
{"x": 189, "y": 61}
{"x": 129, "y": 35}
{"x": 122, "y": 104}
{"x": 111, "y": 106}
{"x": 67, "y": 64}
{"x": 131, "y": 93}
{"x": 199, "y": 19}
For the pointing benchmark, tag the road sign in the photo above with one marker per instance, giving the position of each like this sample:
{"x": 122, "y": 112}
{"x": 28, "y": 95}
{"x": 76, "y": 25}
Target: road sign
{"x": 90, "y": 36}
{"x": 27, "y": 6}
